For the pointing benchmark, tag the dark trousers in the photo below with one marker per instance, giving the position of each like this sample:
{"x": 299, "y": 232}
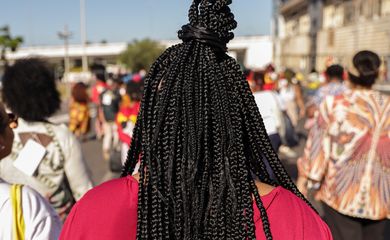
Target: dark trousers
{"x": 276, "y": 141}
{"x": 349, "y": 228}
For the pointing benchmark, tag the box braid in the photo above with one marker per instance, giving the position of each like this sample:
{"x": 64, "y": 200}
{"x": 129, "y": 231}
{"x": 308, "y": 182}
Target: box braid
{"x": 200, "y": 139}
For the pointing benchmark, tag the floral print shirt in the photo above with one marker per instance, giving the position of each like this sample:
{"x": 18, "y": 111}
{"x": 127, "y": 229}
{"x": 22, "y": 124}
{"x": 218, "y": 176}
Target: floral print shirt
{"x": 348, "y": 151}
{"x": 331, "y": 89}
{"x": 79, "y": 118}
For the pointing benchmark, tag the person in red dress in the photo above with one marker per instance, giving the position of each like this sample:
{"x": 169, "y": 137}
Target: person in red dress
{"x": 204, "y": 154}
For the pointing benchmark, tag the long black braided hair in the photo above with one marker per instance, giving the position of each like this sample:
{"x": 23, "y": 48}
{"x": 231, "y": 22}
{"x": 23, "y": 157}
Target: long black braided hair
{"x": 200, "y": 139}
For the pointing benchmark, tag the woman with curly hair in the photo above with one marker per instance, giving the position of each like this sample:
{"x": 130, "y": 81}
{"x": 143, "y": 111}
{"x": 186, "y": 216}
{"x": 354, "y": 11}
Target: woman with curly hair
{"x": 201, "y": 143}
{"x": 56, "y": 166}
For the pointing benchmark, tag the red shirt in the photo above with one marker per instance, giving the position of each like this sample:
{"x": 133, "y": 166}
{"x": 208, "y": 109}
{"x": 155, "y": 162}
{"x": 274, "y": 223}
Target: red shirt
{"x": 97, "y": 90}
{"x": 109, "y": 211}
{"x": 127, "y": 115}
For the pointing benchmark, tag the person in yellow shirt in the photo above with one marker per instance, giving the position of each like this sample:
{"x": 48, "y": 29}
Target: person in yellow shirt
{"x": 79, "y": 110}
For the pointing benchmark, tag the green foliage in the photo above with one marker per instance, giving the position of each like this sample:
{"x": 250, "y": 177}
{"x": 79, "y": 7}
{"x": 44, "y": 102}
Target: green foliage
{"x": 141, "y": 54}
{"x": 7, "y": 42}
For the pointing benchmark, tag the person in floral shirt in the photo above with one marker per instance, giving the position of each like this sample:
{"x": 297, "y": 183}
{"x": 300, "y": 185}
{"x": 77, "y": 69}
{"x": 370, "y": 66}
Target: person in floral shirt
{"x": 347, "y": 157}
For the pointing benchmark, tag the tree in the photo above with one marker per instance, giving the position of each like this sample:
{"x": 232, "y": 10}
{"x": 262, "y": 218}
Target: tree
{"x": 8, "y": 43}
{"x": 141, "y": 54}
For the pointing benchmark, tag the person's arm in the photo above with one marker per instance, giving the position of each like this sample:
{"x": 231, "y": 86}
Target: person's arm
{"x": 72, "y": 119}
{"x": 313, "y": 164}
{"x": 41, "y": 220}
{"x": 76, "y": 169}
{"x": 321, "y": 142}
{"x": 47, "y": 229}
{"x": 299, "y": 99}
{"x": 277, "y": 110}
{"x": 84, "y": 120}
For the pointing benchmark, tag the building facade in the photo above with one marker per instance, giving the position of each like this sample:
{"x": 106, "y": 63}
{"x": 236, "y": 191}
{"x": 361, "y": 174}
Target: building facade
{"x": 315, "y": 34}
{"x": 297, "y": 25}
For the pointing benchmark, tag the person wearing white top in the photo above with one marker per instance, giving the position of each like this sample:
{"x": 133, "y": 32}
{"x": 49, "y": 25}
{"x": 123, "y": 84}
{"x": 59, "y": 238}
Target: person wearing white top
{"x": 269, "y": 106}
{"x": 40, "y": 219}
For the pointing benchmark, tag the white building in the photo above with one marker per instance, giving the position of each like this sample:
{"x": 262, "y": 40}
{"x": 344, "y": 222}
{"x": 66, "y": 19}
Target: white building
{"x": 251, "y": 51}
{"x": 254, "y": 52}
{"x": 107, "y": 51}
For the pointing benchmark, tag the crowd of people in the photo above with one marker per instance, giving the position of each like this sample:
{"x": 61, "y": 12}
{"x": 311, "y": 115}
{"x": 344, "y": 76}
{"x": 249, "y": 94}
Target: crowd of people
{"x": 197, "y": 144}
{"x": 116, "y": 100}
{"x": 345, "y": 161}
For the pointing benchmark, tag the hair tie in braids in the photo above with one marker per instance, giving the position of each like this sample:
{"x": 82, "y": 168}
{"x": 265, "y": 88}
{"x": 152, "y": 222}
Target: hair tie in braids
{"x": 201, "y": 34}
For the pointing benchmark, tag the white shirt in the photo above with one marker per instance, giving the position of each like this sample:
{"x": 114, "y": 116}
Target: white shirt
{"x": 41, "y": 221}
{"x": 287, "y": 95}
{"x": 269, "y": 107}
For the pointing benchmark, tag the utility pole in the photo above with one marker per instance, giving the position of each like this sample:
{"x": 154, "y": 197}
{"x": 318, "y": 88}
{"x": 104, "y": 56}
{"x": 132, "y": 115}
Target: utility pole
{"x": 83, "y": 32}
{"x": 66, "y": 35}
{"x": 276, "y": 33}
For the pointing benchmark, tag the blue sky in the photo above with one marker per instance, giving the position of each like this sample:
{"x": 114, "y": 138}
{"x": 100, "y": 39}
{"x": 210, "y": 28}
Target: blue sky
{"x": 38, "y": 21}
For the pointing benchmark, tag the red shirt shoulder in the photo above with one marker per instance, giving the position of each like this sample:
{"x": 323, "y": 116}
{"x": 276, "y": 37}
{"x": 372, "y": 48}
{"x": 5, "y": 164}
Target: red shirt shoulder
{"x": 109, "y": 211}
{"x": 290, "y": 218}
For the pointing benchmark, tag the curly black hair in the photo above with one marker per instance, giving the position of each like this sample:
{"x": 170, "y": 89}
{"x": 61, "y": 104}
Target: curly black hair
{"x": 200, "y": 139}
{"x": 29, "y": 89}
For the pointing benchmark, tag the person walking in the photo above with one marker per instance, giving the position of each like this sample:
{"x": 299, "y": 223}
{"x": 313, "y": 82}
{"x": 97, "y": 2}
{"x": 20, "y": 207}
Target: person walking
{"x": 24, "y": 213}
{"x": 346, "y": 158}
{"x": 127, "y": 115}
{"x": 79, "y": 119}
{"x": 99, "y": 87}
{"x": 333, "y": 86}
{"x": 291, "y": 97}
{"x": 268, "y": 103}
{"x": 45, "y": 156}
{"x": 200, "y": 140}
{"x": 110, "y": 100}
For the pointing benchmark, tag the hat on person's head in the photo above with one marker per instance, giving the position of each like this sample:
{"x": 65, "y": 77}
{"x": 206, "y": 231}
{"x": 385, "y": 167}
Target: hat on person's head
{"x": 365, "y": 68}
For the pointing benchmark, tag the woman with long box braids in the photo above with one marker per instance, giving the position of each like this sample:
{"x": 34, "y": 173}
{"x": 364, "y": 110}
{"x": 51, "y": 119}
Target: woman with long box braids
{"x": 201, "y": 144}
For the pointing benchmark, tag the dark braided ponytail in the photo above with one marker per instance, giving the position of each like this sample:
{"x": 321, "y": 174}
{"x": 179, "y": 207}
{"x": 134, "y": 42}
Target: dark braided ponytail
{"x": 200, "y": 139}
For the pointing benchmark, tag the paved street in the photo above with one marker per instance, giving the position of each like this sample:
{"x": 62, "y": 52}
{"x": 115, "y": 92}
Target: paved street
{"x": 99, "y": 168}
